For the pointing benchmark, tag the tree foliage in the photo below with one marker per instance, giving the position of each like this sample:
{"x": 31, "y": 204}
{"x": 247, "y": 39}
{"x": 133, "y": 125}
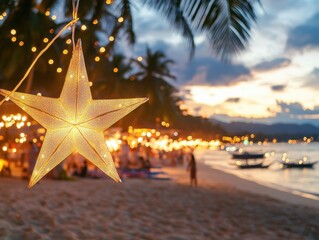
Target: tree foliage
{"x": 27, "y": 25}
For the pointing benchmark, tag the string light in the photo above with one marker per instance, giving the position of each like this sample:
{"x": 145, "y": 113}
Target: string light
{"x": 21, "y": 43}
{"x": 51, "y": 30}
{"x": 47, "y": 13}
{"x": 97, "y": 59}
{"x": 7, "y": 97}
{"x": 108, "y": 1}
{"x": 69, "y": 41}
{"x": 139, "y": 59}
{"x": 102, "y": 49}
{"x": 115, "y": 70}
{"x": 95, "y": 21}
{"x": 53, "y": 17}
{"x": 4, "y": 14}
{"x": 45, "y": 40}
{"x": 90, "y": 84}
{"x": 59, "y": 70}
{"x": 33, "y": 49}
{"x": 111, "y": 38}
{"x": 120, "y": 20}
{"x": 83, "y": 27}
{"x": 13, "y": 39}
{"x": 51, "y": 61}
{"x": 65, "y": 51}
{"x": 1, "y": 17}
{"x": 13, "y": 31}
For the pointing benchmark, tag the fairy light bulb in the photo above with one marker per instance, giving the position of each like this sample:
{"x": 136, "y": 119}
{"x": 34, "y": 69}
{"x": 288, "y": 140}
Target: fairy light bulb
{"x": 59, "y": 70}
{"x": 13, "y": 39}
{"x": 120, "y": 20}
{"x": 65, "y": 51}
{"x": 21, "y": 43}
{"x": 50, "y": 61}
{"x": 102, "y": 49}
{"x": 95, "y": 21}
{"x": 33, "y": 49}
{"x": 111, "y": 38}
{"x": 13, "y": 31}
{"x": 45, "y": 40}
{"x": 47, "y": 13}
{"x": 83, "y": 27}
{"x": 97, "y": 59}
{"x": 115, "y": 70}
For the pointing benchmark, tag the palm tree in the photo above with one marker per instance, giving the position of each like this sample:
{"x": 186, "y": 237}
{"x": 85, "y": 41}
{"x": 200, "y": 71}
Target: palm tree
{"x": 154, "y": 76}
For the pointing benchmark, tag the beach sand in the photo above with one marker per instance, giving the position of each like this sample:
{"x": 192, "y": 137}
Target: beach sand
{"x": 150, "y": 209}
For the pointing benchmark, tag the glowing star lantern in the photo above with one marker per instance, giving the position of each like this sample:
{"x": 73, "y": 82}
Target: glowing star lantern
{"x": 74, "y": 121}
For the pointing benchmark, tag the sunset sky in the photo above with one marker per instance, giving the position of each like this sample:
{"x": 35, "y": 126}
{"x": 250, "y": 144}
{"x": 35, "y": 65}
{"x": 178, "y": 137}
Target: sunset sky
{"x": 275, "y": 80}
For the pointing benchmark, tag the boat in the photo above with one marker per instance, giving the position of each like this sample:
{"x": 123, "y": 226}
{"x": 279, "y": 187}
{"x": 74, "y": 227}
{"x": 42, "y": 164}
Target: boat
{"x": 247, "y": 155}
{"x": 299, "y": 164}
{"x": 246, "y": 165}
{"x": 302, "y": 163}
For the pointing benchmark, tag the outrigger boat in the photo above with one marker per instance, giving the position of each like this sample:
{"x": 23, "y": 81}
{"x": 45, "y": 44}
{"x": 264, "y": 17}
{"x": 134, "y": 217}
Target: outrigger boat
{"x": 297, "y": 164}
{"x": 246, "y": 165}
{"x": 247, "y": 155}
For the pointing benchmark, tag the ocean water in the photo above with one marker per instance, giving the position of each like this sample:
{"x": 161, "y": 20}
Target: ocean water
{"x": 303, "y": 182}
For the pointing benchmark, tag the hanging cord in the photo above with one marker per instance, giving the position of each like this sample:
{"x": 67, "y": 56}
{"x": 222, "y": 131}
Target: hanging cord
{"x": 75, "y": 7}
{"x": 71, "y": 23}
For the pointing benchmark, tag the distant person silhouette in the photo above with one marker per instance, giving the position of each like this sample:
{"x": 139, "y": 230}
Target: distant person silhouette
{"x": 192, "y": 170}
{"x": 84, "y": 169}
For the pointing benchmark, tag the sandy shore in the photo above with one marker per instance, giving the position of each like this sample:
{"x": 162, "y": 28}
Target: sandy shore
{"x": 212, "y": 177}
{"x": 149, "y": 209}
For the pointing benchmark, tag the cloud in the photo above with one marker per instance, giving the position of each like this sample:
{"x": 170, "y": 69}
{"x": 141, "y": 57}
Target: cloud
{"x": 305, "y": 35}
{"x": 233, "y": 100}
{"x": 312, "y": 79}
{"x": 296, "y": 108}
{"x": 272, "y": 64}
{"x": 278, "y": 88}
{"x": 283, "y": 112}
{"x": 207, "y": 70}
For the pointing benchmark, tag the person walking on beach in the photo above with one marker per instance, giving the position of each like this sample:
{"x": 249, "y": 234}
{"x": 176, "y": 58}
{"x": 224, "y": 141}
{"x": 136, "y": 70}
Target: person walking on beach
{"x": 192, "y": 170}
{"x": 84, "y": 169}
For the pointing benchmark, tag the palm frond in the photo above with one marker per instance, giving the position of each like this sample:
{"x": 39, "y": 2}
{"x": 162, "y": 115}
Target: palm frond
{"x": 173, "y": 12}
{"x": 126, "y": 13}
{"x": 227, "y": 23}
